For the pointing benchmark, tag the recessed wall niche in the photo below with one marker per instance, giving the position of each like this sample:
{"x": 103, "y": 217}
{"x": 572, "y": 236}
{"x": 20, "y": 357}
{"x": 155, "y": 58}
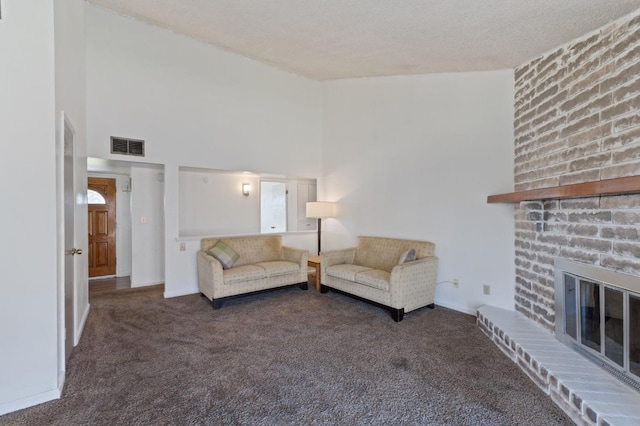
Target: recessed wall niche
{"x": 212, "y": 202}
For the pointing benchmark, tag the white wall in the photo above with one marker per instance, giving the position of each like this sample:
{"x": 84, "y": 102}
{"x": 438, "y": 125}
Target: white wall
{"x": 69, "y": 29}
{"x": 123, "y": 229}
{"x": 196, "y": 106}
{"x": 211, "y": 203}
{"x": 28, "y": 294}
{"x": 415, "y": 157}
{"x": 147, "y": 226}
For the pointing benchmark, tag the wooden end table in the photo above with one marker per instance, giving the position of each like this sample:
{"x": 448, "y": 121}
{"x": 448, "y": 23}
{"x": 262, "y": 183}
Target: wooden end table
{"x": 314, "y": 262}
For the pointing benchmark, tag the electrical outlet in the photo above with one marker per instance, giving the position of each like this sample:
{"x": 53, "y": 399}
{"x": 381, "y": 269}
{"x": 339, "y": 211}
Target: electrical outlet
{"x": 456, "y": 283}
{"x": 486, "y": 289}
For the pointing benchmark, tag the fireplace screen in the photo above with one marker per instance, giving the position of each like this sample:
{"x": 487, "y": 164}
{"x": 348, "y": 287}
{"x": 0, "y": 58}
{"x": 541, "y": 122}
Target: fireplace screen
{"x": 634, "y": 330}
{"x": 598, "y": 313}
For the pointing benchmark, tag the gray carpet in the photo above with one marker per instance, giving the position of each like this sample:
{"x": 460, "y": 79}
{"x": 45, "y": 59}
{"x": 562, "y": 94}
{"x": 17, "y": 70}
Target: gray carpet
{"x": 285, "y": 357}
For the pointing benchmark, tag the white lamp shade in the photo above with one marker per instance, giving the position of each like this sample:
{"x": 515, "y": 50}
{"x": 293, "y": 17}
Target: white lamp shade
{"x": 320, "y": 209}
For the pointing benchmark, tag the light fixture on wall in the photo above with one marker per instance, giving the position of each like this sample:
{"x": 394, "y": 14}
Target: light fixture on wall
{"x": 246, "y": 189}
{"x": 319, "y": 210}
{"x": 126, "y": 187}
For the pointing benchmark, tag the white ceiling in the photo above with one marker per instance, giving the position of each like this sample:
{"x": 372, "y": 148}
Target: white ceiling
{"x": 334, "y": 39}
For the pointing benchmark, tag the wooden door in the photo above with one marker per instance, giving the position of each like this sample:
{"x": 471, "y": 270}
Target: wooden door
{"x": 102, "y": 227}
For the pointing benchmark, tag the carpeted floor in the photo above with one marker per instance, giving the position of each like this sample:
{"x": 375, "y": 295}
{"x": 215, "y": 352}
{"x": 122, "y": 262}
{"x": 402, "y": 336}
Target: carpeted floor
{"x": 285, "y": 357}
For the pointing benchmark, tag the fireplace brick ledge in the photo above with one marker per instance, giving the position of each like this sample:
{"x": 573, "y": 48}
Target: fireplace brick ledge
{"x": 563, "y": 374}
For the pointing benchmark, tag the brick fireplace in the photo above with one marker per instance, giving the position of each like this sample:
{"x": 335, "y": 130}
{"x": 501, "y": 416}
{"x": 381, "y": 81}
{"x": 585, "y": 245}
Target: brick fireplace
{"x": 577, "y": 119}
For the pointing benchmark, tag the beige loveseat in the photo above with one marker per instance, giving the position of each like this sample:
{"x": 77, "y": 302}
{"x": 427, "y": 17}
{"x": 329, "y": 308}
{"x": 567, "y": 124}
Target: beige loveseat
{"x": 263, "y": 263}
{"x": 373, "y": 271}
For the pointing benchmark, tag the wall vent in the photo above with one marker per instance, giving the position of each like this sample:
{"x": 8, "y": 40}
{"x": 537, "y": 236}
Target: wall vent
{"x": 126, "y": 146}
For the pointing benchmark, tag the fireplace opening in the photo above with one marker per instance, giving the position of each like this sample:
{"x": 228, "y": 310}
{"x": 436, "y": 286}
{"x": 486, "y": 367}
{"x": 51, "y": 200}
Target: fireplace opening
{"x": 598, "y": 314}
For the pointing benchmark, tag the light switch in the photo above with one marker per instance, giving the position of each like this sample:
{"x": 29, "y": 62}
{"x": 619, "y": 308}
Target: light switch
{"x": 143, "y": 219}
{"x": 182, "y": 247}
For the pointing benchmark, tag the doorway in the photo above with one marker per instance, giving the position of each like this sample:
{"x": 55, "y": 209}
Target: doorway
{"x": 101, "y": 197}
{"x": 139, "y": 193}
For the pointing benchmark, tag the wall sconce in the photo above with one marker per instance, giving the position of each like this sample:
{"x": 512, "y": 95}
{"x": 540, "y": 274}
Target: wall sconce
{"x": 246, "y": 188}
{"x": 126, "y": 187}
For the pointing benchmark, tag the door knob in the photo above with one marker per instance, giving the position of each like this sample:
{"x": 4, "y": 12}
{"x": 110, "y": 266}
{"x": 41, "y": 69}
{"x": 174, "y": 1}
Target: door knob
{"x": 76, "y": 251}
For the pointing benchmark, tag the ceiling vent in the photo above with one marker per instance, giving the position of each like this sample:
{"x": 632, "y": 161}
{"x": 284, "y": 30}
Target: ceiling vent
{"x": 126, "y": 146}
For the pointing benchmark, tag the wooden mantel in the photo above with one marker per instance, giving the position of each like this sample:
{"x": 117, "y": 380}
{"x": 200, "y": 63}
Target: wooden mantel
{"x": 618, "y": 186}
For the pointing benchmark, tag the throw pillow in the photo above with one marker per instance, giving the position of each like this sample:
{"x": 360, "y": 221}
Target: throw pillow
{"x": 224, "y": 254}
{"x": 407, "y": 256}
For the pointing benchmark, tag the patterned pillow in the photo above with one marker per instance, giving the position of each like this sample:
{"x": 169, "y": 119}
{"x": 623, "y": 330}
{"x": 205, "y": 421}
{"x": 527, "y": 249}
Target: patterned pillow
{"x": 224, "y": 254}
{"x": 407, "y": 256}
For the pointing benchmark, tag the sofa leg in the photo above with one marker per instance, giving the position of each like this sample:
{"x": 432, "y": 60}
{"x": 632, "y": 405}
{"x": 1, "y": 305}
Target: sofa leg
{"x": 431, "y": 306}
{"x": 324, "y": 288}
{"x": 216, "y": 303}
{"x": 397, "y": 314}
{"x": 304, "y": 285}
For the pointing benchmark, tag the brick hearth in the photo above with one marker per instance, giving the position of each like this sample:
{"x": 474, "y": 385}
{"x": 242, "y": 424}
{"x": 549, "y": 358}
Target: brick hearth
{"x": 588, "y": 394}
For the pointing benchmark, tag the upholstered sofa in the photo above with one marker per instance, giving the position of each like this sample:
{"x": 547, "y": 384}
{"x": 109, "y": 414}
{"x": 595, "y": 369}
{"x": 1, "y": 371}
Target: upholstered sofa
{"x": 246, "y": 265}
{"x": 381, "y": 270}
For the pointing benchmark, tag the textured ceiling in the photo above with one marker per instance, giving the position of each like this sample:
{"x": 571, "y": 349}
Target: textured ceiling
{"x": 334, "y": 39}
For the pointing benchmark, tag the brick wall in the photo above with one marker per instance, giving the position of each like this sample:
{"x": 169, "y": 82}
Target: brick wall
{"x": 577, "y": 119}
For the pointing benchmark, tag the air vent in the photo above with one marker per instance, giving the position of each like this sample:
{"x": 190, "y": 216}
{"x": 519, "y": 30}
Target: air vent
{"x": 127, "y": 146}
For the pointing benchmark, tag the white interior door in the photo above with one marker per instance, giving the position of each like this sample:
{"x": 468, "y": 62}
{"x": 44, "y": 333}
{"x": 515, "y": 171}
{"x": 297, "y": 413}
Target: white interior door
{"x": 70, "y": 252}
{"x": 273, "y": 207}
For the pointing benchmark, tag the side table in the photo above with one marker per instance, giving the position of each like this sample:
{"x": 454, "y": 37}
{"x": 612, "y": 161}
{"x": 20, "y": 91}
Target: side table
{"x": 314, "y": 262}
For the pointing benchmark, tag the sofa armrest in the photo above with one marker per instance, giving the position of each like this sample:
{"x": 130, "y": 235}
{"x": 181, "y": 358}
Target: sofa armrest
{"x": 209, "y": 274}
{"x": 298, "y": 256}
{"x": 295, "y": 255}
{"x": 414, "y": 283}
{"x": 335, "y": 257}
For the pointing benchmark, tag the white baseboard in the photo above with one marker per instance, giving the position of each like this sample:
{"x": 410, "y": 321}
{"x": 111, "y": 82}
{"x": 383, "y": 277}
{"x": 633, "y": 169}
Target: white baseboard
{"x": 146, "y": 283}
{"x": 30, "y": 401}
{"x": 184, "y": 292}
{"x": 456, "y": 307}
{"x": 61, "y": 377}
{"x": 83, "y": 321}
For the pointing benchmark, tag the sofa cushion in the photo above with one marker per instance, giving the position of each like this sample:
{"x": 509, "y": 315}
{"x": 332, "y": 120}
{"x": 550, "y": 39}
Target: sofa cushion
{"x": 279, "y": 267}
{"x": 383, "y": 253}
{"x": 262, "y": 248}
{"x": 243, "y": 273}
{"x": 224, "y": 254}
{"x": 374, "y": 278}
{"x": 345, "y": 271}
{"x": 252, "y": 249}
{"x": 407, "y": 256}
